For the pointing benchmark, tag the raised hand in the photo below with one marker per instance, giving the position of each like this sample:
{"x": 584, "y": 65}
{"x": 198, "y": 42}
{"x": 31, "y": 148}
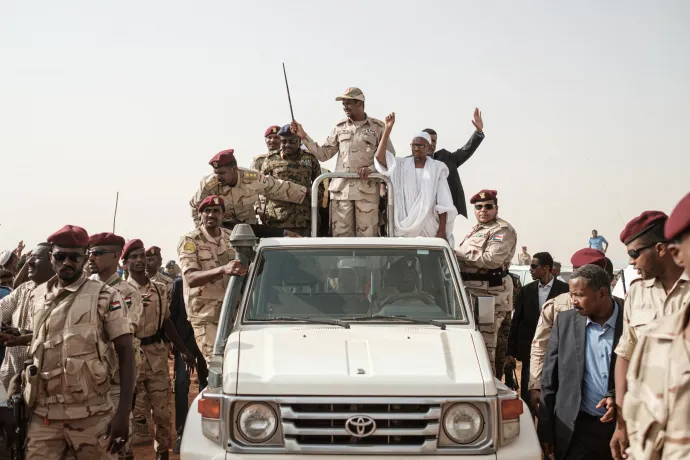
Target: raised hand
{"x": 477, "y": 121}
{"x": 390, "y": 121}
{"x": 297, "y": 129}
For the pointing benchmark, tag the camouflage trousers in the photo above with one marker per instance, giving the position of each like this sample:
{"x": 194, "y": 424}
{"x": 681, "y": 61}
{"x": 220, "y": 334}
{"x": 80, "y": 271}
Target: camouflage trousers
{"x": 83, "y": 438}
{"x": 502, "y": 345}
{"x": 153, "y": 385}
{"x": 490, "y": 336}
{"x": 205, "y": 335}
{"x": 354, "y": 218}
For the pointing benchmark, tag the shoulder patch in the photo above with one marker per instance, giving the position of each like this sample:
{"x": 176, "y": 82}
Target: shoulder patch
{"x": 114, "y": 305}
{"x": 189, "y": 247}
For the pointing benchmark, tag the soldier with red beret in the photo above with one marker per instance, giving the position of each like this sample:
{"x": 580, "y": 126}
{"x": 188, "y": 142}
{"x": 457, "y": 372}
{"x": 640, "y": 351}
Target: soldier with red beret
{"x": 484, "y": 256}
{"x": 550, "y": 310}
{"x": 104, "y": 254}
{"x": 657, "y": 403}
{"x": 207, "y": 262}
{"x": 154, "y": 261}
{"x": 663, "y": 290}
{"x": 154, "y": 379}
{"x": 240, "y": 189}
{"x": 69, "y": 418}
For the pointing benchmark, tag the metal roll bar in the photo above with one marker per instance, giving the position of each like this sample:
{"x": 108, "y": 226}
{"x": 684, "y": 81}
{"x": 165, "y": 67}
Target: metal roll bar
{"x": 346, "y": 175}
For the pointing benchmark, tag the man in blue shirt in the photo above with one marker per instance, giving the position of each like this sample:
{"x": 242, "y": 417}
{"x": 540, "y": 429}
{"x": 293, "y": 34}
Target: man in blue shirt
{"x": 578, "y": 371}
{"x": 598, "y": 242}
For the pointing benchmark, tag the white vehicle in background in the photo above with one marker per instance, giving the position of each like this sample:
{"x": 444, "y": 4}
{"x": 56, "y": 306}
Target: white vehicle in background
{"x": 353, "y": 346}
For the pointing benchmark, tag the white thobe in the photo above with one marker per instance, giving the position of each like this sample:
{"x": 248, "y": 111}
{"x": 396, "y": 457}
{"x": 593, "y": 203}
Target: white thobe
{"x": 419, "y": 196}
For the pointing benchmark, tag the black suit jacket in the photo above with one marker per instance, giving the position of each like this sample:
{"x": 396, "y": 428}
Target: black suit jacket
{"x": 178, "y": 316}
{"x": 525, "y": 317}
{"x": 561, "y": 382}
{"x": 454, "y": 160}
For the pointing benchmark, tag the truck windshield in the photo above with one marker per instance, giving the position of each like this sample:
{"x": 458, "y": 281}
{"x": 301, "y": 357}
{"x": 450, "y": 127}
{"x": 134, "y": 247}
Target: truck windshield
{"x": 345, "y": 283}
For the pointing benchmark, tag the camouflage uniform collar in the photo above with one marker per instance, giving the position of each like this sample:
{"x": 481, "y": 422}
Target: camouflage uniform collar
{"x": 134, "y": 282}
{"x": 212, "y": 239}
{"x": 650, "y": 283}
{"x": 74, "y": 287}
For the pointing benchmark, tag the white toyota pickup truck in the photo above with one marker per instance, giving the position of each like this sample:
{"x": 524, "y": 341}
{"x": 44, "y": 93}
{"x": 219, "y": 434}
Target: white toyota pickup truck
{"x": 334, "y": 347}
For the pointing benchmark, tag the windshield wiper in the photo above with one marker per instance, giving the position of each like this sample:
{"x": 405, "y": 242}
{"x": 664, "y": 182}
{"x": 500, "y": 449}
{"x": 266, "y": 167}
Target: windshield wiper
{"x": 306, "y": 319}
{"x": 433, "y": 322}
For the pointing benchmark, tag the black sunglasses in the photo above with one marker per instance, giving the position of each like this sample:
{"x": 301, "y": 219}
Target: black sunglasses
{"x": 534, "y": 266}
{"x": 635, "y": 253}
{"x": 62, "y": 256}
{"x": 488, "y": 206}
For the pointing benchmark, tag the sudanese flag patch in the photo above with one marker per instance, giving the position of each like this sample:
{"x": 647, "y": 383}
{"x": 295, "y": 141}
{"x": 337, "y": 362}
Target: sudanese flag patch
{"x": 114, "y": 305}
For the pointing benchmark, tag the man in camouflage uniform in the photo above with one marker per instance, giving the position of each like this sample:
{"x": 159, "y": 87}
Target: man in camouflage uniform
{"x": 154, "y": 378}
{"x": 504, "y": 331}
{"x": 299, "y": 167}
{"x": 75, "y": 322}
{"x": 354, "y": 203}
{"x": 656, "y": 407}
{"x": 484, "y": 256}
{"x": 663, "y": 291}
{"x": 207, "y": 262}
{"x": 154, "y": 261}
{"x": 273, "y": 144}
{"x": 240, "y": 188}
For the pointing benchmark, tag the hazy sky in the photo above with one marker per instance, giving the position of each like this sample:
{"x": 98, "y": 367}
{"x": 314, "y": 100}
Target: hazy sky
{"x": 586, "y": 104}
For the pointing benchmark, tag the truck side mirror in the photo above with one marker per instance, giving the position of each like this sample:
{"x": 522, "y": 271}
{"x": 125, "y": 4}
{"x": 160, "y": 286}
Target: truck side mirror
{"x": 484, "y": 310}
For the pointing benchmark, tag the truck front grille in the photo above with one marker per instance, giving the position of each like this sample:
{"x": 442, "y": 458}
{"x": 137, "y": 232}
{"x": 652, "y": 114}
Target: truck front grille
{"x": 408, "y": 427}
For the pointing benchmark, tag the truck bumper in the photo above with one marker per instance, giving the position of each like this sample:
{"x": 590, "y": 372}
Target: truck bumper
{"x": 195, "y": 446}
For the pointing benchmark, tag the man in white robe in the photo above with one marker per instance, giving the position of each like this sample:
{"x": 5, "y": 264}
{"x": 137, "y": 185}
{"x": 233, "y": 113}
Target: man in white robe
{"x": 422, "y": 199}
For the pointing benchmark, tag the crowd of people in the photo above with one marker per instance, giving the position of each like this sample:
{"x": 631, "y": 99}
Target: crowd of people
{"x": 88, "y": 319}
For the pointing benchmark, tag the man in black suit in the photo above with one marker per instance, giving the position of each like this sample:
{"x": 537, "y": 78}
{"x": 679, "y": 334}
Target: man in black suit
{"x": 528, "y": 305}
{"x": 456, "y": 159}
{"x": 575, "y": 411}
{"x": 178, "y": 316}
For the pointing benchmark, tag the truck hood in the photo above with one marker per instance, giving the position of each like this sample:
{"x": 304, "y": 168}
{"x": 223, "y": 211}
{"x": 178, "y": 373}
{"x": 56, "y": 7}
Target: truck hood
{"x": 365, "y": 360}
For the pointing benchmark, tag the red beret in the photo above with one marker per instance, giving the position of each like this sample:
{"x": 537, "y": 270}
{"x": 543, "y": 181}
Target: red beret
{"x": 153, "y": 251}
{"x": 106, "y": 239}
{"x": 588, "y": 256}
{"x": 484, "y": 195}
{"x": 222, "y": 158}
{"x": 132, "y": 245}
{"x": 70, "y": 236}
{"x": 212, "y": 200}
{"x": 272, "y": 130}
{"x": 641, "y": 225}
{"x": 679, "y": 221}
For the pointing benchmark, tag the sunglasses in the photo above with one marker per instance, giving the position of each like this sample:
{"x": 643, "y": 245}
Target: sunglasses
{"x": 635, "y": 253}
{"x": 417, "y": 146}
{"x": 99, "y": 252}
{"x": 62, "y": 256}
{"x": 534, "y": 266}
{"x": 487, "y": 206}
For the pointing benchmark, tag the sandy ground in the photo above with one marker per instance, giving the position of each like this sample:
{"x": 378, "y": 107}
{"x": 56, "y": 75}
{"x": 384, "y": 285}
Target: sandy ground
{"x": 147, "y": 453}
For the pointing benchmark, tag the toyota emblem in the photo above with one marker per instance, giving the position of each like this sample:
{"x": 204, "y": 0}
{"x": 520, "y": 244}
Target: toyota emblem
{"x": 360, "y": 426}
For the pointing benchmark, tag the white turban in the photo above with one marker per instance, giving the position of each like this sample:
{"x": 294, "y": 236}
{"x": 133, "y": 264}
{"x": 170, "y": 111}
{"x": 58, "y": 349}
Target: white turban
{"x": 424, "y": 136}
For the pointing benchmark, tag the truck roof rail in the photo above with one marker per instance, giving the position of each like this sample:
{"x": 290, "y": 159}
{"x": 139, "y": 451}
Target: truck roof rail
{"x": 348, "y": 175}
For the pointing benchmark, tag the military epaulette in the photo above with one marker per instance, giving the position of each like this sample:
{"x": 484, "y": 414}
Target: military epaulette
{"x": 211, "y": 181}
{"x": 377, "y": 122}
{"x": 248, "y": 176}
{"x": 343, "y": 121}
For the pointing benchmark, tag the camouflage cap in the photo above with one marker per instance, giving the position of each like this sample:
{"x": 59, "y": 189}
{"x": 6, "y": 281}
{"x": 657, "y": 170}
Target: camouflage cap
{"x": 355, "y": 94}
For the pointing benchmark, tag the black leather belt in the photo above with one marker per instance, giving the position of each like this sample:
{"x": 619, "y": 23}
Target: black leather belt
{"x": 155, "y": 338}
{"x": 494, "y": 277}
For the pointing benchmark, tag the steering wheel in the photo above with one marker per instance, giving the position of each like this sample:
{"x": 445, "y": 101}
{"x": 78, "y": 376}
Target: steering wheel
{"x": 426, "y": 298}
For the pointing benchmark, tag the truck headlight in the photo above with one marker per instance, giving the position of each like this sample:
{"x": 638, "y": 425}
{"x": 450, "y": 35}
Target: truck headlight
{"x": 463, "y": 423}
{"x": 257, "y": 422}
